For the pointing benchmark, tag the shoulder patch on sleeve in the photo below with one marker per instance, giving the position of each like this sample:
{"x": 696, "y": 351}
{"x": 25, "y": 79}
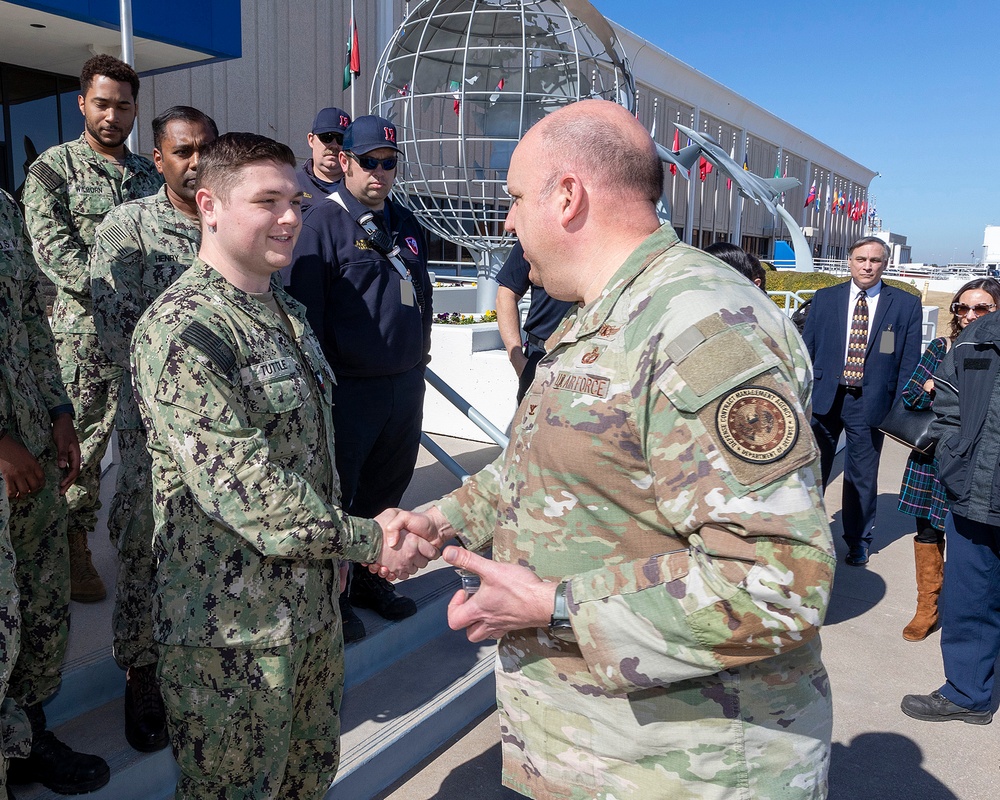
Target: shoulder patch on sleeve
{"x": 218, "y": 352}
{"x": 47, "y": 176}
{"x": 116, "y": 236}
{"x": 722, "y": 360}
{"x": 756, "y": 424}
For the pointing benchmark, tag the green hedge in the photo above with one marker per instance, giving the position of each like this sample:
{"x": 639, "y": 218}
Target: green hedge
{"x": 791, "y": 281}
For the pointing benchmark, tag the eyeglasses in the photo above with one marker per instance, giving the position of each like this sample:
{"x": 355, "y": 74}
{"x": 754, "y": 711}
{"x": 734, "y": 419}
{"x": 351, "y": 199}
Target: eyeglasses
{"x": 368, "y": 163}
{"x": 961, "y": 309}
{"x": 327, "y": 138}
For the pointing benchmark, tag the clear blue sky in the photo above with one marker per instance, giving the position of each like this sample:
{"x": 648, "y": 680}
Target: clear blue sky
{"x": 908, "y": 89}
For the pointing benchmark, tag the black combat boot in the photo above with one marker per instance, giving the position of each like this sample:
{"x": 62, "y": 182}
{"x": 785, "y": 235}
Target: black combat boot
{"x": 371, "y": 591}
{"x": 145, "y": 716}
{"x": 353, "y": 627}
{"x": 53, "y": 764}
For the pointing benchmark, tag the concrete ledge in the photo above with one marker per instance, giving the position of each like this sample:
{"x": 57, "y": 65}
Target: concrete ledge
{"x": 470, "y": 358}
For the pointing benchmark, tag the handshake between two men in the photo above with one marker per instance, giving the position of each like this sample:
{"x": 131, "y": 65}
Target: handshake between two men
{"x": 510, "y": 597}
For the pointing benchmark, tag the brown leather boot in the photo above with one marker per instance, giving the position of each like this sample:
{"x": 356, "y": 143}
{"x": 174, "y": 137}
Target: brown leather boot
{"x": 930, "y": 575}
{"x": 85, "y": 584}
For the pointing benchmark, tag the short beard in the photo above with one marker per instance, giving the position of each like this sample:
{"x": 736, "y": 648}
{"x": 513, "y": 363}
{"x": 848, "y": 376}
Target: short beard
{"x": 103, "y": 141}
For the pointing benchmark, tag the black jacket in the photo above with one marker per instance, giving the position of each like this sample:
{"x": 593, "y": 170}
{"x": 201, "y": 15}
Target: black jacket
{"x": 352, "y": 293}
{"x": 967, "y": 421}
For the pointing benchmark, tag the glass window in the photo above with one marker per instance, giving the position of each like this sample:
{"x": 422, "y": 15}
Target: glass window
{"x": 30, "y": 98}
{"x": 39, "y": 110}
{"x": 70, "y": 117}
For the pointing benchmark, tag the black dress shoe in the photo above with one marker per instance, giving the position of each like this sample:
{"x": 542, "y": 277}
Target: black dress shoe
{"x": 350, "y": 623}
{"x": 935, "y": 707}
{"x": 857, "y": 555}
{"x": 145, "y": 716}
{"x": 371, "y": 591}
{"x": 59, "y": 768}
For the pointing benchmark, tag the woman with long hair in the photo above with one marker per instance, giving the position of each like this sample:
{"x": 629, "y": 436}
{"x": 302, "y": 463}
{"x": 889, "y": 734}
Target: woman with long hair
{"x": 921, "y": 495}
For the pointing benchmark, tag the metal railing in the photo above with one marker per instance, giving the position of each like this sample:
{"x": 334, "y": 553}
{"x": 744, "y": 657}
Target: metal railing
{"x": 789, "y": 302}
{"x": 475, "y": 416}
{"x": 458, "y": 269}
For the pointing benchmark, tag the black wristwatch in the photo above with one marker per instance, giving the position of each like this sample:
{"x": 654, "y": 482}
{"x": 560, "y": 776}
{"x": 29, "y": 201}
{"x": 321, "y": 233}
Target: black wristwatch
{"x": 559, "y": 623}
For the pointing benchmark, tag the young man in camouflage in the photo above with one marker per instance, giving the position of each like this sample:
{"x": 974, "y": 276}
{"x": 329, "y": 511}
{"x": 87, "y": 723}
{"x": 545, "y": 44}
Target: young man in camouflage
{"x": 661, "y": 557}
{"x": 235, "y": 396}
{"x": 67, "y": 192}
{"x": 39, "y": 460}
{"x": 140, "y": 249}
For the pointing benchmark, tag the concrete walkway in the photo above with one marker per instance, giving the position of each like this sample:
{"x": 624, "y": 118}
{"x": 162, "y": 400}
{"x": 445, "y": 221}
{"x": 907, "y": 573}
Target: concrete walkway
{"x": 878, "y": 752}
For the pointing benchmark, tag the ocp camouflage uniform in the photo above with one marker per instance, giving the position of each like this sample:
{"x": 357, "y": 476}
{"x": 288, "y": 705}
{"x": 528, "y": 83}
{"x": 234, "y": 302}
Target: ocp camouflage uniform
{"x": 67, "y": 192}
{"x": 140, "y": 249}
{"x": 31, "y": 393}
{"x": 248, "y": 536}
{"x": 663, "y": 464}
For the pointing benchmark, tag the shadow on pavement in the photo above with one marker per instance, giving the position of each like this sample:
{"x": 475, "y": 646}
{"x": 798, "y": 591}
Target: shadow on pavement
{"x": 856, "y": 590}
{"x": 483, "y": 773}
{"x": 886, "y": 766}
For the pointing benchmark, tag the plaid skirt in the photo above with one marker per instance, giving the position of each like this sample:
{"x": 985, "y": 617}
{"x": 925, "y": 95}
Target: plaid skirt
{"x": 921, "y": 493}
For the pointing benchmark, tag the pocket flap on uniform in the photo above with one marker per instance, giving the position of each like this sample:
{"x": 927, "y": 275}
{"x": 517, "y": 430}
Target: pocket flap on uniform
{"x": 720, "y": 362}
{"x": 70, "y": 374}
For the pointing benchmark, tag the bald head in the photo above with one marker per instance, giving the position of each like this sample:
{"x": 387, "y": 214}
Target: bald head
{"x": 584, "y": 182}
{"x": 606, "y": 145}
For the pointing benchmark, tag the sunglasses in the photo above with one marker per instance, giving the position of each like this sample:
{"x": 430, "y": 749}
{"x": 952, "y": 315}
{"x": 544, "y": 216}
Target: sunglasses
{"x": 961, "y": 309}
{"x": 368, "y": 163}
{"x": 327, "y": 138}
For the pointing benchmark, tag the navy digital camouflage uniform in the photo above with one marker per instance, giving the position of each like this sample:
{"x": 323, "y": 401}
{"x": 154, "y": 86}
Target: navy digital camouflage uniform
{"x": 15, "y": 730}
{"x": 663, "y": 465}
{"x": 31, "y": 393}
{"x": 67, "y": 192}
{"x": 248, "y": 536}
{"x": 140, "y": 249}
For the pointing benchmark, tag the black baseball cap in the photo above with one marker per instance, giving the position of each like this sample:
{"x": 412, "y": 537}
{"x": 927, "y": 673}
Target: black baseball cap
{"x": 331, "y": 120}
{"x": 370, "y": 133}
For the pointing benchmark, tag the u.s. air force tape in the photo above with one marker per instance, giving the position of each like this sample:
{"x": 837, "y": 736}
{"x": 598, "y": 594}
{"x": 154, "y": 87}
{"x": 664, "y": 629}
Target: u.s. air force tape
{"x": 756, "y": 424}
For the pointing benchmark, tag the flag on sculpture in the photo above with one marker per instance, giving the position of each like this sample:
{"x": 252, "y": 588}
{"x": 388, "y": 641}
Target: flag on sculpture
{"x": 811, "y": 198}
{"x": 496, "y": 95}
{"x": 677, "y": 149}
{"x": 704, "y": 168}
{"x": 353, "y": 67}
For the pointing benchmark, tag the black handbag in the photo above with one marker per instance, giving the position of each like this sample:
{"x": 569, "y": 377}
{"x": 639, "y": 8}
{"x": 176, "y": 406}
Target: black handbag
{"x": 909, "y": 427}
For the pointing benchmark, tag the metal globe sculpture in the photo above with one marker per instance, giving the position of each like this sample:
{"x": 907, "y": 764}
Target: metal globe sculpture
{"x": 463, "y": 80}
